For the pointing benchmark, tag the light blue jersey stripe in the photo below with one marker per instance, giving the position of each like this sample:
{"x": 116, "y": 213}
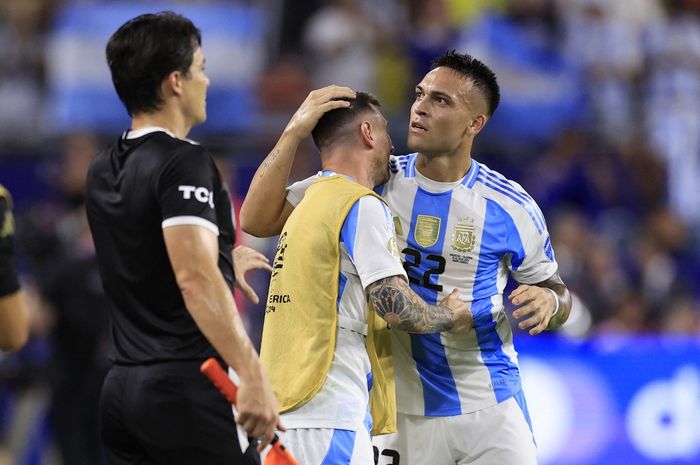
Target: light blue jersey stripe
{"x": 342, "y": 281}
{"x": 504, "y": 373}
{"x": 349, "y": 230}
{"x": 410, "y": 169}
{"x": 526, "y": 202}
{"x": 470, "y": 178}
{"x": 368, "y": 415}
{"x": 492, "y": 242}
{"x": 340, "y": 449}
{"x": 347, "y": 237}
{"x": 514, "y": 244}
{"x": 502, "y": 180}
{"x": 520, "y": 399}
{"x": 398, "y": 163}
{"x": 439, "y": 389}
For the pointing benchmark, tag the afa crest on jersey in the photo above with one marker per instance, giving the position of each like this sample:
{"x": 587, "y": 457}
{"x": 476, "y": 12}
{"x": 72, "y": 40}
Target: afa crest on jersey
{"x": 464, "y": 235}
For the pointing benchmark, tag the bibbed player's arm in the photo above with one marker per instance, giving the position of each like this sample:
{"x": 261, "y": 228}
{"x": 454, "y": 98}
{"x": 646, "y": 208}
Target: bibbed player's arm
{"x": 265, "y": 208}
{"x": 403, "y": 309}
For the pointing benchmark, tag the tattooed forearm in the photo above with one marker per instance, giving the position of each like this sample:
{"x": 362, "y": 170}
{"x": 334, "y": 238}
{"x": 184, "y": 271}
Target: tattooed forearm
{"x": 267, "y": 162}
{"x": 556, "y": 284}
{"x": 403, "y": 309}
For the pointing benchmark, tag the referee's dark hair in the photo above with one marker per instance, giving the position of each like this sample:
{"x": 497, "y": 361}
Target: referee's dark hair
{"x": 144, "y": 51}
{"x": 484, "y": 79}
{"x": 334, "y": 126}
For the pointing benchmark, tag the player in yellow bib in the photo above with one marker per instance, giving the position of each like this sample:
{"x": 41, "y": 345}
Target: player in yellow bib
{"x": 327, "y": 354}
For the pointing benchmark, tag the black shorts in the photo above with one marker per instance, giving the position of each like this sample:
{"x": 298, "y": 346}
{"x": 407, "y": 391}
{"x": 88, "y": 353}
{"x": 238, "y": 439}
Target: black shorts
{"x": 167, "y": 413}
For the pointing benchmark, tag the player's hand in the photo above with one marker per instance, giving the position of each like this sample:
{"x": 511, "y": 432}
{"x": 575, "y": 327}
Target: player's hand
{"x": 317, "y": 103}
{"x": 244, "y": 260}
{"x": 463, "y": 320}
{"x": 534, "y": 302}
{"x": 258, "y": 410}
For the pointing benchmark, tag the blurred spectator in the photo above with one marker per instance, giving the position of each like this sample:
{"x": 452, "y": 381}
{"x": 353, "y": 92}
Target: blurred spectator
{"x": 672, "y": 93}
{"x": 608, "y": 47}
{"x": 21, "y": 73}
{"x": 462, "y": 12}
{"x": 542, "y": 92}
{"x": 280, "y": 88}
{"x": 340, "y": 42}
{"x": 590, "y": 264}
{"x": 682, "y": 318}
{"x": 430, "y": 33}
{"x": 628, "y": 316}
{"x": 59, "y": 247}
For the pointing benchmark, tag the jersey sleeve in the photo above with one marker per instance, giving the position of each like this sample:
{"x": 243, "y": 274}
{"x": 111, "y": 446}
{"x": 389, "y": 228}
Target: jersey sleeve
{"x": 185, "y": 189}
{"x": 296, "y": 191}
{"x": 9, "y": 281}
{"x": 370, "y": 240}
{"x": 531, "y": 258}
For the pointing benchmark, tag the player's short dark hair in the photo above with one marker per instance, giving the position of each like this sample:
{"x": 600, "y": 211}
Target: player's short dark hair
{"x": 144, "y": 51}
{"x": 484, "y": 79}
{"x": 333, "y": 124}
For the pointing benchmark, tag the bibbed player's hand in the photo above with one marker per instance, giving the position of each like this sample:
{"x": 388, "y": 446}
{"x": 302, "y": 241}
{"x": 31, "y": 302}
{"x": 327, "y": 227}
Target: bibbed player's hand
{"x": 244, "y": 260}
{"x": 317, "y": 103}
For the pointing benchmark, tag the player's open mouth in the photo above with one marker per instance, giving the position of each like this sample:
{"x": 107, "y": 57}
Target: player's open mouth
{"x": 417, "y": 127}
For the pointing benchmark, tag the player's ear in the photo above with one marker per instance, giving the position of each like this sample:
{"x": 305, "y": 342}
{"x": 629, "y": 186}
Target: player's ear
{"x": 477, "y": 124}
{"x": 366, "y": 134}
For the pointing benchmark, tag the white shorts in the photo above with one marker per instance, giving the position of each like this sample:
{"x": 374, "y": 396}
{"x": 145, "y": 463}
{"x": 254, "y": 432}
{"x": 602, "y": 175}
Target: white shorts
{"x": 324, "y": 446}
{"x": 493, "y": 436}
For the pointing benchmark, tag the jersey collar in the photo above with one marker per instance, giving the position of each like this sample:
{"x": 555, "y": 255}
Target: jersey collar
{"x": 135, "y": 134}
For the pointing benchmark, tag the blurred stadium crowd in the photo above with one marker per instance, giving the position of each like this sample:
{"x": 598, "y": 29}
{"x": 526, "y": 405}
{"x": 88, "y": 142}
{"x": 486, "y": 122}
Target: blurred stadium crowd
{"x": 599, "y": 121}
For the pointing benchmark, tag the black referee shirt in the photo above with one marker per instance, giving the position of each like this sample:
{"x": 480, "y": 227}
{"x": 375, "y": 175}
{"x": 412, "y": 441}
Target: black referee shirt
{"x": 135, "y": 188}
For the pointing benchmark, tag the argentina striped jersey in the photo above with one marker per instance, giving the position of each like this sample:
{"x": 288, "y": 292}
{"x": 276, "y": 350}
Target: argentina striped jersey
{"x": 467, "y": 235}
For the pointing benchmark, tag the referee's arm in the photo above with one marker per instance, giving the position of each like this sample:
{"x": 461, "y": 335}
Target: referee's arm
{"x": 193, "y": 253}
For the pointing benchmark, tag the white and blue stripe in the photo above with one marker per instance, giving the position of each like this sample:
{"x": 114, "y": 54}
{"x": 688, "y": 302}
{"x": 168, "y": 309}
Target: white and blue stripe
{"x": 446, "y": 374}
{"x": 501, "y": 185}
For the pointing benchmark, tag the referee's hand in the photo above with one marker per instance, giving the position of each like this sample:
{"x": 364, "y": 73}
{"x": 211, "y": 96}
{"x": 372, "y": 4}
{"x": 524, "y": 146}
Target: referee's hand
{"x": 257, "y": 409}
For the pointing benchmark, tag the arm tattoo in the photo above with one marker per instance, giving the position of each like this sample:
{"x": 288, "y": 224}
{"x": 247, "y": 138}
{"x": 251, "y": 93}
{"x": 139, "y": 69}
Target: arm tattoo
{"x": 267, "y": 162}
{"x": 403, "y": 309}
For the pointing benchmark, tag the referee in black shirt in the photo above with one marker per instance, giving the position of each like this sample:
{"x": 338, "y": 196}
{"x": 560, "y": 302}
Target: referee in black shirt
{"x": 160, "y": 216}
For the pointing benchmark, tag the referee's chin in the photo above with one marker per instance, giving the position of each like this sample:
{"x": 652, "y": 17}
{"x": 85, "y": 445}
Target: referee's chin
{"x": 200, "y": 119}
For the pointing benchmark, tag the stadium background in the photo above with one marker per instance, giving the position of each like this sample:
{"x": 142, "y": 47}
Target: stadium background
{"x": 600, "y": 122}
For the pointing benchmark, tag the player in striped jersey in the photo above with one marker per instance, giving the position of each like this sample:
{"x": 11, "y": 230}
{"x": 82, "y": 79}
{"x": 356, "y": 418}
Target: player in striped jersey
{"x": 458, "y": 224}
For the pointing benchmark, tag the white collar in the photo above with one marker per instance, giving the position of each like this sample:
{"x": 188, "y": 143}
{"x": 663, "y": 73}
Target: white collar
{"x": 135, "y": 134}
{"x": 436, "y": 186}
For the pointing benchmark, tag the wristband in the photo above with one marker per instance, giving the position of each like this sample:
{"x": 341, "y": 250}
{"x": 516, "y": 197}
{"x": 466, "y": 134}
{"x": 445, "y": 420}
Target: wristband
{"x": 556, "y": 302}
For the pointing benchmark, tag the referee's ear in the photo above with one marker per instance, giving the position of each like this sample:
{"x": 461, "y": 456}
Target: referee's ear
{"x": 172, "y": 84}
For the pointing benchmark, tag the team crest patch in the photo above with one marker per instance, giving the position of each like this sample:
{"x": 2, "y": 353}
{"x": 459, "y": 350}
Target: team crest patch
{"x": 397, "y": 226}
{"x": 392, "y": 247}
{"x": 464, "y": 235}
{"x": 427, "y": 230}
